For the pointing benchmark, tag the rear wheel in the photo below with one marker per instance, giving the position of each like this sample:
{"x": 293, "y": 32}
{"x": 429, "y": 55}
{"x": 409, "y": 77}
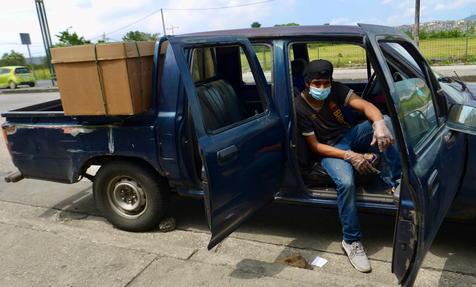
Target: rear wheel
{"x": 12, "y": 85}
{"x": 32, "y": 84}
{"x": 131, "y": 196}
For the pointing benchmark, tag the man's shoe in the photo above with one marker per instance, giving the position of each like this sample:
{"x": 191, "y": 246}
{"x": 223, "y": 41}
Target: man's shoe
{"x": 357, "y": 257}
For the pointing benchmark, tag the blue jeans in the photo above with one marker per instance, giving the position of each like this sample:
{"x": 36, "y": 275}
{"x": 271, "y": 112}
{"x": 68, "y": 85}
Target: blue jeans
{"x": 358, "y": 139}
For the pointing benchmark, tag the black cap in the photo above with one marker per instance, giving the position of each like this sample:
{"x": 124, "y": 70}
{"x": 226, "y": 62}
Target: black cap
{"x": 318, "y": 69}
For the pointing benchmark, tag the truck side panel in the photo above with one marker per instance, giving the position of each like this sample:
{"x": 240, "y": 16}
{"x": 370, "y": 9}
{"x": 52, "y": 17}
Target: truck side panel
{"x": 59, "y": 152}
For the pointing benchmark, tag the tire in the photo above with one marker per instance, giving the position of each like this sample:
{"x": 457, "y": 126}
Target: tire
{"x": 131, "y": 196}
{"x": 31, "y": 84}
{"x": 12, "y": 85}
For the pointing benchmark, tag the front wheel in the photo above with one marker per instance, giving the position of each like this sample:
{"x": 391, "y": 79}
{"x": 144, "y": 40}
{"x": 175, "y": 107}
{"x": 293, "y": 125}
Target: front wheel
{"x": 131, "y": 196}
{"x": 12, "y": 85}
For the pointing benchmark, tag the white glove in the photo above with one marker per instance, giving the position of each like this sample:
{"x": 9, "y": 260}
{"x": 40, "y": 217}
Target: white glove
{"x": 382, "y": 135}
{"x": 359, "y": 162}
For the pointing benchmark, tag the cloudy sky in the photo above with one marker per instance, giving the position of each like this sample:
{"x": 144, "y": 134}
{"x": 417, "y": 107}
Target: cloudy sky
{"x": 92, "y": 18}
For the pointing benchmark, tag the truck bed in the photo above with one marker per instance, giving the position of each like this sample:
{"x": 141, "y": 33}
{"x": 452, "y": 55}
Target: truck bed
{"x": 44, "y": 143}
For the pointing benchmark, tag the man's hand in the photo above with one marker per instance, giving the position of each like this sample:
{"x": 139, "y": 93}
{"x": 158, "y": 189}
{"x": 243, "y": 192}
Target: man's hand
{"x": 382, "y": 135}
{"x": 359, "y": 162}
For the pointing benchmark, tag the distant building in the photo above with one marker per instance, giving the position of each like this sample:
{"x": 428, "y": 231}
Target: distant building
{"x": 462, "y": 25}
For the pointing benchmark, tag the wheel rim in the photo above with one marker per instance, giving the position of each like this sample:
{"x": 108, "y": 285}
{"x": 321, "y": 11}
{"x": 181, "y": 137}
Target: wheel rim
{"x": 126, "y": 197}
{"x": 12, "y": 85}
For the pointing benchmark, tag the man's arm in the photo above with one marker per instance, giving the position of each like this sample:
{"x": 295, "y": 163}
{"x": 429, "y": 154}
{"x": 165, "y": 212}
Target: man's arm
{"x": 382, "y": 135}
{"x": 367, "y": 108}
{"x": 356, "y": 159}
{"x": 323, "y": 149}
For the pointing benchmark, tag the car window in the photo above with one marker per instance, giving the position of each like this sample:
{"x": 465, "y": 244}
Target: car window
{"x": 22, "y": 71}
{"x": 265, "y": 57}
{"x": 4, "y": 71}
{"x": 203, "y": 64}
{"x": 415, "y": 108}
{"x": 216, "y": 72}
{"x": 398, "y": 49}
{"x": 348, "y": 59}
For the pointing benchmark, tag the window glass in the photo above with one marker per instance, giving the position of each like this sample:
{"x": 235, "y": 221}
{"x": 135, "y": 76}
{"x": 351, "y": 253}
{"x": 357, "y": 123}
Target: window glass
{"x": 349, "y": 60}
{"x": 22, "y": 71}
{"x": 224, "y": 101}
{"x": 203, "y": 64}
{"x": 4, "y": 71}
{"x": 416, "y": 108}
{"x": 397, "y": 48}
{"x": 265, "y": 57}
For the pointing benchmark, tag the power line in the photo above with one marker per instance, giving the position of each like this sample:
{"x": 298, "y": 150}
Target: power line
{"x": 180, "y": 9}
{"x": 128, "y": 25}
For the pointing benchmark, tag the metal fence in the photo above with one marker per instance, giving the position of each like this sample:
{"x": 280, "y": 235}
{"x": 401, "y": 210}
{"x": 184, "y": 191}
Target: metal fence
{"x": 449, "y": 51}
{"x": 437, "y": 51}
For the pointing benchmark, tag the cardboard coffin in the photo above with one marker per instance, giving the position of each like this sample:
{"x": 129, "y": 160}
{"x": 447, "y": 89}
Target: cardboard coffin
{"x": 105, "y": 79}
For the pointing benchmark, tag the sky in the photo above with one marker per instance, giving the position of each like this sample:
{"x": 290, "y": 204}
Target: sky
{"x": 92, "y": 18}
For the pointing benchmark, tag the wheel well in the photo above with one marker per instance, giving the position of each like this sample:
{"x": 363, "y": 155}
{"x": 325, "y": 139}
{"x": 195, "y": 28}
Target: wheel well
{"x": 102, "y": 160}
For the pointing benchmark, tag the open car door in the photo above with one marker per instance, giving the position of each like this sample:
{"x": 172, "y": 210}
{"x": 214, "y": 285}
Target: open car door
{"x": 243, "y": 159}
{"x": 419, "y": 114}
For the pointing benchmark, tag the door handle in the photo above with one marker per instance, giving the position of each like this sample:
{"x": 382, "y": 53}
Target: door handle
{"x": 450, "y": 138}
{"x": 227, "y": 154}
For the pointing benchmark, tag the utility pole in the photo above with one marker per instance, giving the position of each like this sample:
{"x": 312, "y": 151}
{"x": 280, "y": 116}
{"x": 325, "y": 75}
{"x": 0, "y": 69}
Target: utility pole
{"x": 172, "y": 27}
{"x": 416, "y": 27}
{"x": 163, "y": 22}
{"x": 45, "y": 34}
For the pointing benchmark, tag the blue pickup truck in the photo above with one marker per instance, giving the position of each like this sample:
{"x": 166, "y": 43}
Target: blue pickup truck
{"x": 223, "y": 126}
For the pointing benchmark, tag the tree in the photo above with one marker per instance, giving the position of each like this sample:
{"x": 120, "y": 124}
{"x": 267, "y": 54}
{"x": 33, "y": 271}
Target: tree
{"x": 288, "y": 24}
{"x": 255, "y": 25}
{"x": 13, "y": 59}
{"x": 67, "y": 38}
{"x": 140, "y": 36}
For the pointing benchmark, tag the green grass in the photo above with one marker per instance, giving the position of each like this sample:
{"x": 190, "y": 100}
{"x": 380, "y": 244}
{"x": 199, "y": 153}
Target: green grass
{"x": 449, "y": 51}
{"x": 42, "y": 74}
{"x": 340, "y": 55}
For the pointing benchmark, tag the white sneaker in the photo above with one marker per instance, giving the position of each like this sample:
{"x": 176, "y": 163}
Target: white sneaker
{"x": 357, "y": 257}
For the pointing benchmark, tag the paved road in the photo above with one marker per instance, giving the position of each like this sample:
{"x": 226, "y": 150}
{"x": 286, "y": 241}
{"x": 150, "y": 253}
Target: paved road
{"x": 14, "y": 101}
{"x": 52, "y": 235}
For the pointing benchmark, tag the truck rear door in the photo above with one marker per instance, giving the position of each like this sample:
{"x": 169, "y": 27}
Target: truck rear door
{"x": 432, "y": 155}
{"x": 243, "y": 159}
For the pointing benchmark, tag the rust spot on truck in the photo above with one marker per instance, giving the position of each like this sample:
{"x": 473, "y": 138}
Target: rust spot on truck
{"x": 9, "y": 130}
{"x": 76, "y": 131}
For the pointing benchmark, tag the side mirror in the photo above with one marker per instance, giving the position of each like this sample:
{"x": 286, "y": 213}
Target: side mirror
{"x": 462, "y": 118}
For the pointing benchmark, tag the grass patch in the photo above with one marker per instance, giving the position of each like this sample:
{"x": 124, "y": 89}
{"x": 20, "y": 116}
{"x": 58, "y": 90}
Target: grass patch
{"x": 42, "y": 74}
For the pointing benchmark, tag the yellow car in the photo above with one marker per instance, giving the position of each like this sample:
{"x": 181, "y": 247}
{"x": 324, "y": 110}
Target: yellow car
{"x": 13, "y": 76}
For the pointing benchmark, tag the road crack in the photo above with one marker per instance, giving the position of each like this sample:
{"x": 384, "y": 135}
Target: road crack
{"x": 142, "y": 271}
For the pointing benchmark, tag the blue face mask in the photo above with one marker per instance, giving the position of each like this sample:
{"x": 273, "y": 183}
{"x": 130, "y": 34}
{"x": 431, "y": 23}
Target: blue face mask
{"x": 319, "y": 94}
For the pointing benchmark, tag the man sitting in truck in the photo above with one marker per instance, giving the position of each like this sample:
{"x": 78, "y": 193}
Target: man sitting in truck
{"x": 341, "y": 148}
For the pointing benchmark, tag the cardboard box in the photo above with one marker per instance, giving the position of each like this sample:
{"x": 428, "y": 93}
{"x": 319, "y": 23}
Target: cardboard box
{"x": 105, "y": 79}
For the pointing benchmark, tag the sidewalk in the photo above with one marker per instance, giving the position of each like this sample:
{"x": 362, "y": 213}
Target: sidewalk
{"x": 51, "y": 235}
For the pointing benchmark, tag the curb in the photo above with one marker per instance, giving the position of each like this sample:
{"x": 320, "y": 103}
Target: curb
{"x": 29, "y": 91}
